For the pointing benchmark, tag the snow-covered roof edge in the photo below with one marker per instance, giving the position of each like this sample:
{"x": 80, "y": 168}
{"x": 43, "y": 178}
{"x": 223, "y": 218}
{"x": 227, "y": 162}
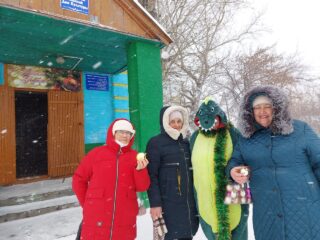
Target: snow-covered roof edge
{"x": 152, "y": 18}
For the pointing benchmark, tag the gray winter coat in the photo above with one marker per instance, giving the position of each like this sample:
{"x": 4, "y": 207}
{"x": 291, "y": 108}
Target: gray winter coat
{"x": 284, "y": 160}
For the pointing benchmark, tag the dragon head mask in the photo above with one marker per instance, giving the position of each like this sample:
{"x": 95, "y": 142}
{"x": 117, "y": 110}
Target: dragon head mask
{"x": 210, "y": 117}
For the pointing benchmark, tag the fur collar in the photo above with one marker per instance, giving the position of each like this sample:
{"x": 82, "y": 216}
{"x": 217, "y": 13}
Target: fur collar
{"x": 173, "y": 133}
{"x": 281, "y": 123}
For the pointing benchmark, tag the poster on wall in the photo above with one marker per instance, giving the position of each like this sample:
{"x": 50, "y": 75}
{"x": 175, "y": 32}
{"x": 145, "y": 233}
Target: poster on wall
{"x": 43, "y": 78}
{"x": 99, "y": 82}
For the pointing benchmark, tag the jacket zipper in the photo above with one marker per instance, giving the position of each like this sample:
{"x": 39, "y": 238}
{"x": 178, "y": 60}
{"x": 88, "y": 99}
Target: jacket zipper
{"x": 277, "y": 182}
{"x": 179, "y": 180}
{"x": 115, "y": 194}
{"x": 177, "y": 173}
{"x": 171, "y": 164}
{"x": 189, "y": 214}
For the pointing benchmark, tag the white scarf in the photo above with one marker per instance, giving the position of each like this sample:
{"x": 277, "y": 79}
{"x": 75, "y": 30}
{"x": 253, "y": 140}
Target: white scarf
{"x": 121, "y": 144}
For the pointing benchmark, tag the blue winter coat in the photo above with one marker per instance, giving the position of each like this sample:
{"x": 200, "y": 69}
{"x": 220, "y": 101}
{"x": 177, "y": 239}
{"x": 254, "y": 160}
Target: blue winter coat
{"x": 284, "y": 180}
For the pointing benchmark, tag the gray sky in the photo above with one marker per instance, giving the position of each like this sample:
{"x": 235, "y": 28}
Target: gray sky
{"x": 295, "y": 27}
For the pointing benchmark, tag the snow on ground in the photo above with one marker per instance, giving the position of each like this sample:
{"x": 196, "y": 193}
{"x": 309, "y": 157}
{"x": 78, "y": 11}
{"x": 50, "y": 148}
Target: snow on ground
{"x": 56, "y": 225}
{"x": 34, "y": 188}
{"x": 62, "y": 225}
{"x": 37, "y": 205}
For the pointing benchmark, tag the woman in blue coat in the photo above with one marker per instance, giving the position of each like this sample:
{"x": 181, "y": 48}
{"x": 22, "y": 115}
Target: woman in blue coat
{"x": 171, "y": 189}
{"x": 283, "y": 156}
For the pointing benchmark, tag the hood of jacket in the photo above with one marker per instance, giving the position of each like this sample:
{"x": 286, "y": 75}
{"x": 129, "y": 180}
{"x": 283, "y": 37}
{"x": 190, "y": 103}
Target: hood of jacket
{"x": 281, "y": 122}
{"x": 164, "y": 122}
{"x": 110, "y": 140}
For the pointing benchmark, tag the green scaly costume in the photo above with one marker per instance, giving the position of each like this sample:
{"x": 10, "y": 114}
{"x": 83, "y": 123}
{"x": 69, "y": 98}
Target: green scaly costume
{"x": 212, "y": 146}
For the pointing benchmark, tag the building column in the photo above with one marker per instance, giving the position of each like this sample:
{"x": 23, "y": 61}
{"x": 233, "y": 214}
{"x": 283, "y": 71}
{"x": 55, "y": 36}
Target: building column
{"x": 145, "y": 90}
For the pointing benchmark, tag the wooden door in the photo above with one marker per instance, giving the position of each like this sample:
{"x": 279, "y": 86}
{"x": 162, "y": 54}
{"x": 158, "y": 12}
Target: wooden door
{"x": 65, "y": 132}
{"x": 7, "y": 136}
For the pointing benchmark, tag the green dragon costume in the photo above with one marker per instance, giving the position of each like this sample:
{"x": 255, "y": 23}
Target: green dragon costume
{"x": 212, "y": 146}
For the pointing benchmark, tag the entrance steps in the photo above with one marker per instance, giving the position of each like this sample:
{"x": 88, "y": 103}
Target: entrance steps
{"x": 33, "y": 199}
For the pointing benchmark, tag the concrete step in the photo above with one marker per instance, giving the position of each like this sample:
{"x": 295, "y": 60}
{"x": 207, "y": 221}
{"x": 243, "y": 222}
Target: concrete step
{"x": 33, "y": 199}
{"x": 14, "y": 212}
{"x": 11, "y": 201}
{"x": 30, "y": 190}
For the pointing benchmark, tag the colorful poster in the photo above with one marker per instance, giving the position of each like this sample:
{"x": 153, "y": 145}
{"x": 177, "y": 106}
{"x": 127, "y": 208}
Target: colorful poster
{"x": 43, "y": 78}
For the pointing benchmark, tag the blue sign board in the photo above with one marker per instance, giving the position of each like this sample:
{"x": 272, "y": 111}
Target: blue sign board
{"x": 80, "y": 6}
{"x": 98, "y": 82}
{"x": 1, "y": 74}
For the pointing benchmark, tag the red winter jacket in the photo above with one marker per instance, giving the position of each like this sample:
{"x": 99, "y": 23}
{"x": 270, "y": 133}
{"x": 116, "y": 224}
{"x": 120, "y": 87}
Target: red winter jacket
{"x": 106, "y": 183}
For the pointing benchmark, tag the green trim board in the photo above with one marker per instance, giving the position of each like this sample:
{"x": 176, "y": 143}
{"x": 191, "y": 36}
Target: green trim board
{"x": 1, "y": 74}
{"x": 90, "y": 146}
{"x": 29, "y": 38}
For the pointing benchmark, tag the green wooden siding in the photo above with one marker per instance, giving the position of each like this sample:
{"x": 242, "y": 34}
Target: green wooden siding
{"x": 145, "y": 90}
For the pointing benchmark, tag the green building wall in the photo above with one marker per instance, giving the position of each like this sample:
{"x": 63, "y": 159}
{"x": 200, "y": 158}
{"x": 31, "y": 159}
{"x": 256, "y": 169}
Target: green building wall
{"x": 145, "y": 90}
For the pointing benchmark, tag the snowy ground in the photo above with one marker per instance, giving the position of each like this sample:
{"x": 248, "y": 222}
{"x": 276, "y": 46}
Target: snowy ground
{"x": 62, "y": 225}
{"x": 34, "y": 188}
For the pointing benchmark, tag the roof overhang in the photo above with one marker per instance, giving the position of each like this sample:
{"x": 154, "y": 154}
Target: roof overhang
{"x": 31, "y": 38}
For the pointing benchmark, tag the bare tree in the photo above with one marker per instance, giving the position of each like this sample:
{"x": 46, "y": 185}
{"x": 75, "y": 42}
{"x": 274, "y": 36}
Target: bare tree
{"x": 262, "y": 67}
{"x": 150, "y": 6}
{"x": 208, "y": 57}
{"x": 203, "y": 31}
{"x": 265, "y": 67}
{"x": 305, "y": 104}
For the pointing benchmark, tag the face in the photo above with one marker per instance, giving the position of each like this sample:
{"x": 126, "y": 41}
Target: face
{"x": 123, "y": 136}
{"x": 263, "y": 114}
{"x": 176, "y": 123}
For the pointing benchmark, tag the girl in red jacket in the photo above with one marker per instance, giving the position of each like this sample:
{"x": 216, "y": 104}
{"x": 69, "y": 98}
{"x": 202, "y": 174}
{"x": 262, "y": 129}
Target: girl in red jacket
{"x": 106, "y": 183}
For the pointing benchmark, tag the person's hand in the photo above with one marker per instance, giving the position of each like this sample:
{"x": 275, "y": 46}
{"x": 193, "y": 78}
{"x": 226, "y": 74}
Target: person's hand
{"x": 142, "y": 210}
{"x": 238, "y": 176}
{"x": 141, "y": 164}
{"x": 156, "y": 212}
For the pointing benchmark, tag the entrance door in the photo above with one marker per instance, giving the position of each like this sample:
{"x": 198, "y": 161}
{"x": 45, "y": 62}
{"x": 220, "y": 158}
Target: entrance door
{"x": 7, "y": 136}
{"x": 31, "y": 133}
{"x": 65, "y": 132}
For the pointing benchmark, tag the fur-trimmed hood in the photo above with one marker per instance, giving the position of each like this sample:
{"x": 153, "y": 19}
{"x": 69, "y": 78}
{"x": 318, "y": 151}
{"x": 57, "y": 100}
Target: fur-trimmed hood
{"x": 164, "y": 122}
{"x": 281, "y": 123}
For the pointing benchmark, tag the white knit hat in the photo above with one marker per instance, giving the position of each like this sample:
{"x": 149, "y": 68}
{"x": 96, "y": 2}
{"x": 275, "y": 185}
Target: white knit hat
{"x": 123, "y": 125}
{"x": 175, "y": 114}
{"x": 261, "y": 100}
